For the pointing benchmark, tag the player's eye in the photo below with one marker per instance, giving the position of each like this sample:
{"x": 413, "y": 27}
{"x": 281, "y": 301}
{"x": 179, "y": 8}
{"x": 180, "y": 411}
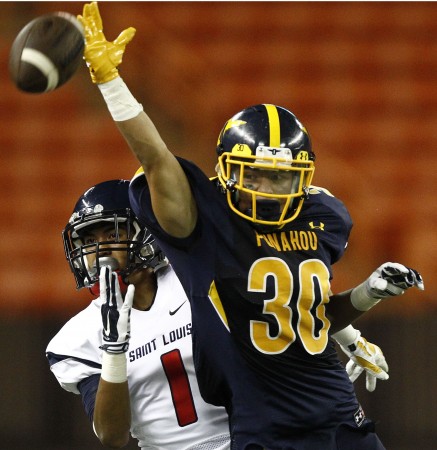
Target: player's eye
{"x": 251, "y": 176}
{"x": 90, "y": 240}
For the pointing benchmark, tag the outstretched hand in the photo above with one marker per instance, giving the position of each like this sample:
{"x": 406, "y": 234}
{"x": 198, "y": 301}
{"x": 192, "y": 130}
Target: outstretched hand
{"x": 102, "y": 57}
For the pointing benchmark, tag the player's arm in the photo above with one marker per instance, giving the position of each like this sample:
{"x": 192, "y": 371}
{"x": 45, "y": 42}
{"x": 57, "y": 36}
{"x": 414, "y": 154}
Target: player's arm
{"x": 172, "y": 200}
{"x": 363, "y": 356}
{"x": 389, "y": 280}
{"x": 112, "y": 415}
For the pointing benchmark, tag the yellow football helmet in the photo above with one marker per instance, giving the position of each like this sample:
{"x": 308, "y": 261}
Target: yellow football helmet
{"x": 265, "y": 164}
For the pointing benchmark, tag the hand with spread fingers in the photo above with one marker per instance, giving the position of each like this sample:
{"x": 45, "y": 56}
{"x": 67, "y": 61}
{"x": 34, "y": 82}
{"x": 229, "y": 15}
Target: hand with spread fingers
{"x": 102, "y": 57}
{"x": 367, "y": 357}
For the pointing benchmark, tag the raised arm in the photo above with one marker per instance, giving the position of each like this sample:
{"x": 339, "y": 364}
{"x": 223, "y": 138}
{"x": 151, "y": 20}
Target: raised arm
{"x": 172, "y": 199}
{"x": 112, "y": 414}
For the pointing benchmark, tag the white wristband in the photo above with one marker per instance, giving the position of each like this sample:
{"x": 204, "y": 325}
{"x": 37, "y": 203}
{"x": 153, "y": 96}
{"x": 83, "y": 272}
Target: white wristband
{"x": 361, "y": 299}
{"x": 121, "y": 103}
{"x": 114, "y": 367}
{"x": 347, "y": 335}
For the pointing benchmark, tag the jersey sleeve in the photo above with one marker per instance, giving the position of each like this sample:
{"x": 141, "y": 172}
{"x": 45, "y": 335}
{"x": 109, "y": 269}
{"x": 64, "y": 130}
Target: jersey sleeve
{"x": 73, "y": 353}
{"x": 326, "y": 212}
{"x": 88, "y": 391}
{"x": 139, "y": 196}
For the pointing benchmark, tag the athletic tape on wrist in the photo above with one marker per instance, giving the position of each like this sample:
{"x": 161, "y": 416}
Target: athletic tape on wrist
{"x": 114, "y": 367}
{"x": 347, "y": 335}
{"x": 360, "y": 298}
{"x": 121, "y": 103}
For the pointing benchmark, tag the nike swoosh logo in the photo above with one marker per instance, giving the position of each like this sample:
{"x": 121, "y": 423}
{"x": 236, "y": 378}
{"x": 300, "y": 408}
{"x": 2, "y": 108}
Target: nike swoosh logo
{"x": 177, "y": 309}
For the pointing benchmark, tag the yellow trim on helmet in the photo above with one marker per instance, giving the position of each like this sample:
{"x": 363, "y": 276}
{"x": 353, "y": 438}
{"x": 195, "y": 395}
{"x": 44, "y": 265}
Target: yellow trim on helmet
{"x": 274, "y": 126}
{"x": 230, "y": 164}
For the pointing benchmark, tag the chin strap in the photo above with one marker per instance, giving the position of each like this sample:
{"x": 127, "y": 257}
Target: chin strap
{"x": 95, "y": 288}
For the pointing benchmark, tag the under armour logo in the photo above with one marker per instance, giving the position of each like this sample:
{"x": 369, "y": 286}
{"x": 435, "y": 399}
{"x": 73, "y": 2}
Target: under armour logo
{"x": 359, "y": 417}
{"x": 321, "y": 226}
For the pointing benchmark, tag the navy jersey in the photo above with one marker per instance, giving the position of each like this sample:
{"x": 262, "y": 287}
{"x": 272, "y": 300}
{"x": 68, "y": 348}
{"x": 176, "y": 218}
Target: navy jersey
{"x": 260, "y": 332}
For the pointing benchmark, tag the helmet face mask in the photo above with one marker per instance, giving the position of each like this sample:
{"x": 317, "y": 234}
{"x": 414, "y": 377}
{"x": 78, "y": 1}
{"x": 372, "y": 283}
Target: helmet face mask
{"x": 104, "y": 231}
{"x": 265, "y": 164}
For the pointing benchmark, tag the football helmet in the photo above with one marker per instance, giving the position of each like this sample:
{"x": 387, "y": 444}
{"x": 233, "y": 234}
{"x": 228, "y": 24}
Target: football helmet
{"x": 108, "y": 202}
{"x": 265, "y": 142}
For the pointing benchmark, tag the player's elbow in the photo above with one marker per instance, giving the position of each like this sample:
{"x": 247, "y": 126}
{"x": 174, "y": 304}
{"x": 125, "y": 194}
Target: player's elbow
{"x": 111, "y": 439}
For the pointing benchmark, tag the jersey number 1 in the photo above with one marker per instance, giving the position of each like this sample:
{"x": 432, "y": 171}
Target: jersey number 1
{"x": 180, "y": 387}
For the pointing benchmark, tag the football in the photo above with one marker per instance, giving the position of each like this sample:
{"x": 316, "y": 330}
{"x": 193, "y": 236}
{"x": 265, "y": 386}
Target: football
{"x": 46, "y": 52}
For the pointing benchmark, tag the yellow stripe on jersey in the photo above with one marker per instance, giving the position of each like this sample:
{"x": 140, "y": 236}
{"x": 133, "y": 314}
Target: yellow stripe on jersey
{"x": 139, "y": 171}
{"x": 138, "y": 174}
{"x": 275, "y": 128}
{"x": 217, "y": 303}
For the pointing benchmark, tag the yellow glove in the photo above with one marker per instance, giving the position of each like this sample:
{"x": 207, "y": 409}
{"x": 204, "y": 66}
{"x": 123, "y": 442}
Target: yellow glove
{"x": 102, "y": 57}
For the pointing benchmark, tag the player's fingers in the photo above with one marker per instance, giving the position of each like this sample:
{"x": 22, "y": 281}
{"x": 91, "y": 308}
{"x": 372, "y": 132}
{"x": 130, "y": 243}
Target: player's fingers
{"x": 95, "y": 13}
{"x": 90, "y": 22}
{"x": 129, "y": 298}
{"x": 369, "y": 366}
{"x": 104, "y": 282}
{"x": 114, "y": 299}
{"x": 85, "y": 26}
{"x": 417, "y": 279}
{"x": 395, "y": 268}
{"x": 125, "y": 37}
{"x": 88, "y": 25}
{"x": 370, "y": 382}
{"x": 381, "y": 362}
{"x": 353, "y": 370}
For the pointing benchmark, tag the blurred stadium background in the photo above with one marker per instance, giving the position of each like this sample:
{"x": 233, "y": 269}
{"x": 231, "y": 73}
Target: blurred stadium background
{"x": 360, "y": 75}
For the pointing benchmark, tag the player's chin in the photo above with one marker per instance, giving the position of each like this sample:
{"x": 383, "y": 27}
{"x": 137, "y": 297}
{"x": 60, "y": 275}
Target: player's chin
{"x": 139, "y": 275}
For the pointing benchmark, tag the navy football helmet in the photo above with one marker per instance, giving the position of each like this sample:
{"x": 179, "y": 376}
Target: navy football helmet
{"x": 265, "y": 141}
{"x": 108, "y": 202}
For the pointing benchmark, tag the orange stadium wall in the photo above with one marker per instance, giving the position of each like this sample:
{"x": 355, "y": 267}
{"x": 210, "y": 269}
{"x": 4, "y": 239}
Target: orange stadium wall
{"x": 360, "y": 76}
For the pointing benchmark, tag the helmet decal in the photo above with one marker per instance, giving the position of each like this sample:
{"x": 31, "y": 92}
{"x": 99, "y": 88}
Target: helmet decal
{"x": 230, "y": 124}
{"x": 241, "y": 150}
{"x": 302, "y": 156}
{"x": 234, "y": 123}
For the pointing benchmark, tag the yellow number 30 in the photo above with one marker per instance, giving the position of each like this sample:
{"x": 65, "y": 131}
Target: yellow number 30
{"x": 310, "y": 305}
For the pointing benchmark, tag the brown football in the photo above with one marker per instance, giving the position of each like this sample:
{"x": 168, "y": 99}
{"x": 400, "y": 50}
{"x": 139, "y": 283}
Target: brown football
{"x": 46, "y": 53}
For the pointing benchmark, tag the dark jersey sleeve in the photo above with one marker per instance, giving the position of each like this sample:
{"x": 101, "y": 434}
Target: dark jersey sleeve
{"x": 139, "y": 197}
{"x": 88, "y": 390}
{"x": 324, "y": 213}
